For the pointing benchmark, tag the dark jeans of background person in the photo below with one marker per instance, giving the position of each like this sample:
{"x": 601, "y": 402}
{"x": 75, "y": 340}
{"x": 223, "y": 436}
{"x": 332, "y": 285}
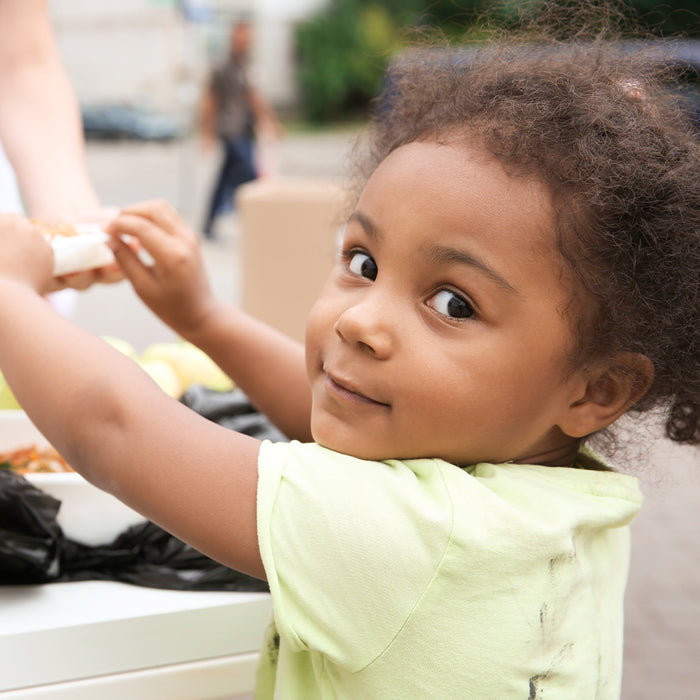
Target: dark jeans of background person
{"x": 238, "y": 167}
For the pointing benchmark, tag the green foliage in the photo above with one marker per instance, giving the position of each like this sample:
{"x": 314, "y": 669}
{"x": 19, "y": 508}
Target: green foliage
{"x": 343, "y": 52}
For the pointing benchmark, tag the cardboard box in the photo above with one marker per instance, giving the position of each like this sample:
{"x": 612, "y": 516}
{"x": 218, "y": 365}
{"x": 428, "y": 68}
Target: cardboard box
{"x": 289, "y": 233}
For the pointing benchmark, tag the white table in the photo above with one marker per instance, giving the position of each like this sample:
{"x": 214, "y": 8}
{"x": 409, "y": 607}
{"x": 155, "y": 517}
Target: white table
{"x": 101, "y": 640}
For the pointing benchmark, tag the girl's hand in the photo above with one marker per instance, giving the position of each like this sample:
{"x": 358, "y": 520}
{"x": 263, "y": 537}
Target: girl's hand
{"x": 174, "y": 285}
{"x": 25, "y": 254}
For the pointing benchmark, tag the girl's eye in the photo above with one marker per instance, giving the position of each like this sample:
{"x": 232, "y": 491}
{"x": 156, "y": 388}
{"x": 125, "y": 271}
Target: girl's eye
{"x": 362, "y": 265}
{"x": 451, "y": 304}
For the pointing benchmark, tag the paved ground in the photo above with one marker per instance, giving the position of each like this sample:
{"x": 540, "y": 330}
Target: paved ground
{"x": 662, "y": 645}
{"x": 662, "y": 651}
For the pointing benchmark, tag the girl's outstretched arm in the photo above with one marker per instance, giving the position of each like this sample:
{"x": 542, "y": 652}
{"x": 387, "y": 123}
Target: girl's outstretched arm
{"x": 266, "y": 364}
{"x": 114, "y": 425}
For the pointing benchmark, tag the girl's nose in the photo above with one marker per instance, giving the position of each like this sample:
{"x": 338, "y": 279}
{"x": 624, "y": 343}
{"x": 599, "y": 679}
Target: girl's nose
{"x": 367, "y": 327}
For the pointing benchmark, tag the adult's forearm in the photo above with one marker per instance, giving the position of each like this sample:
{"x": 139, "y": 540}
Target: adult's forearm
{"x": 40, "y": 123}
{"x": 47, "y": 154}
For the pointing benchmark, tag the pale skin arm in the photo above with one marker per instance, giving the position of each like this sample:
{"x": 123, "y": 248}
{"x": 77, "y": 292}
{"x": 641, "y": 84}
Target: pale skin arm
{"x": 114, "y": 425}
{"x": 40, "y": 125}
{"x": 266, "y": 364}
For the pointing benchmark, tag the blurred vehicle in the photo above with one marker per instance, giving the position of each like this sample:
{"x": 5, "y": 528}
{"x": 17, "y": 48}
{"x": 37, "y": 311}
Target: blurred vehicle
{"x": 123, "y": 121}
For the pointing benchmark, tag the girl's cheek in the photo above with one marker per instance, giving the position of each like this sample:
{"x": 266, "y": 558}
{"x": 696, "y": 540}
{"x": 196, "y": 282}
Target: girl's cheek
{"x": 313, "y": 334}
{"x": 323, "y": 313}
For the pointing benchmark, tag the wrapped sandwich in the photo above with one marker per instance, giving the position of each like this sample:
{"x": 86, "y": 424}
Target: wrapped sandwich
{"x": 77, "y": 247}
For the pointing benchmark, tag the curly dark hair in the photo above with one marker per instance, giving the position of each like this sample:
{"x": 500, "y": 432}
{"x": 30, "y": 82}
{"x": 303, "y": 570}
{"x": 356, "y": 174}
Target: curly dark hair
{"x": 599, "y": 123}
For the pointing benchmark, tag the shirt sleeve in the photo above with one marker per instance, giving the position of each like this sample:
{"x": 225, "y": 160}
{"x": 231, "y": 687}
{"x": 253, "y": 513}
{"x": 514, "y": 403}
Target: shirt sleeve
{"x": 349, "y": 546}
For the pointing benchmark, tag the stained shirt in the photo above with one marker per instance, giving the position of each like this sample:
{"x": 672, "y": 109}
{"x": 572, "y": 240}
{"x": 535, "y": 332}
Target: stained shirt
{"x": 421, "y": 579}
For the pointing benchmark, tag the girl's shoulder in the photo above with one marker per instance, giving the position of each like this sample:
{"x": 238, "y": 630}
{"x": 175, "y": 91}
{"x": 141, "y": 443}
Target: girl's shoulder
{"x": 590, "y": 485}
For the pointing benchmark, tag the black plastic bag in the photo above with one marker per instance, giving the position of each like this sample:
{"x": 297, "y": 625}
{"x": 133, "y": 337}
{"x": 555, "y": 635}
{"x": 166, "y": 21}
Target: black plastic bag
{"x": 233, "y": 410}
{"x": 30, "y": 538}
{"x": 147, "y": 555}
{"x": 33, "y": 548}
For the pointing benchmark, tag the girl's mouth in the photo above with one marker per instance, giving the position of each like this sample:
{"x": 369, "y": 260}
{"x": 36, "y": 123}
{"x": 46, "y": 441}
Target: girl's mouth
{"x": 347, "y": 392}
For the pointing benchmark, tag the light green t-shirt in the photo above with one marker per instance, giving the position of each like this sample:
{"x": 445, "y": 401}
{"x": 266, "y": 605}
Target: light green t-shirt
{"x": 420, "y": 579}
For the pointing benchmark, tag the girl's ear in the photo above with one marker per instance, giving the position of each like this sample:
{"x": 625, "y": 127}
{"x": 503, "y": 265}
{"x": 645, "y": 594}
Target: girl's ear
{"x": 609, "y": 392}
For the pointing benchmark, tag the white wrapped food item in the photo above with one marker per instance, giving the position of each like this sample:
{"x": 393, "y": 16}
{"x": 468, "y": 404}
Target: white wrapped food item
{"x": 77, "y": 247}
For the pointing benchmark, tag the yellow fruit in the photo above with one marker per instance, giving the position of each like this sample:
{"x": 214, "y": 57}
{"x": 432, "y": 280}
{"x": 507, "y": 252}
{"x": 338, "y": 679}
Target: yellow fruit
{"x": 192, "y": 365}
{"x": 7, "y": 398}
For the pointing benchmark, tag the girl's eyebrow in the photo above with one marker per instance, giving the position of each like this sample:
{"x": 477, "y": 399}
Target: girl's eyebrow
{"x": 447, "y": 255}
{"x": 364, "y": 221}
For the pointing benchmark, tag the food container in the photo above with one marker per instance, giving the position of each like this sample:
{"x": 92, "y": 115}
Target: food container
{"x": 87, "y": 514}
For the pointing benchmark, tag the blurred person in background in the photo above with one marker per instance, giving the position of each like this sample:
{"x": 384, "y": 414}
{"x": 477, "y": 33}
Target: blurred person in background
{"x": 234, "y": 111}
{"x": 43, "y": 171}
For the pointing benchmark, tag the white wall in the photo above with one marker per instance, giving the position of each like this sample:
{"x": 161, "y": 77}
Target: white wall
{"x": 274, "y": 47}
{"x": 287, "y": 10}
{"x": 131, "y": 51}
{"x": 145, "y": 51}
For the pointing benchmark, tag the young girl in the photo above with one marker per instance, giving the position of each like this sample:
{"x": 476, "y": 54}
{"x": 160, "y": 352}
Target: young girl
{"x": 519, "y": 270}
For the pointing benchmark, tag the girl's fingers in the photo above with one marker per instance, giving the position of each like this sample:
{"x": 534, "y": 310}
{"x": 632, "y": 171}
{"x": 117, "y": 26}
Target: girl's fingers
{"x": 140, "y": 276}
{"x": 162, "y": 215}
{"x": 83, "y": 280}
{"x": 76, "y": 280}
{"x": 157, "y": 242}
{"x": 158, "y": 228}
{"x": 55, "y": 285}
{"x": 110, "y": 273}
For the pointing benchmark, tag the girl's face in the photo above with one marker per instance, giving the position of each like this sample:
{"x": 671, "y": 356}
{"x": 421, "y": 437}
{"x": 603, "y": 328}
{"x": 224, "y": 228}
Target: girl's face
{"x": 440, "y": 331}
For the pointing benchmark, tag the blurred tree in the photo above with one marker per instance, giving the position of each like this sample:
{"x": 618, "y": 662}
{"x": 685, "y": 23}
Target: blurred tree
{"x": 343, "y": 51}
